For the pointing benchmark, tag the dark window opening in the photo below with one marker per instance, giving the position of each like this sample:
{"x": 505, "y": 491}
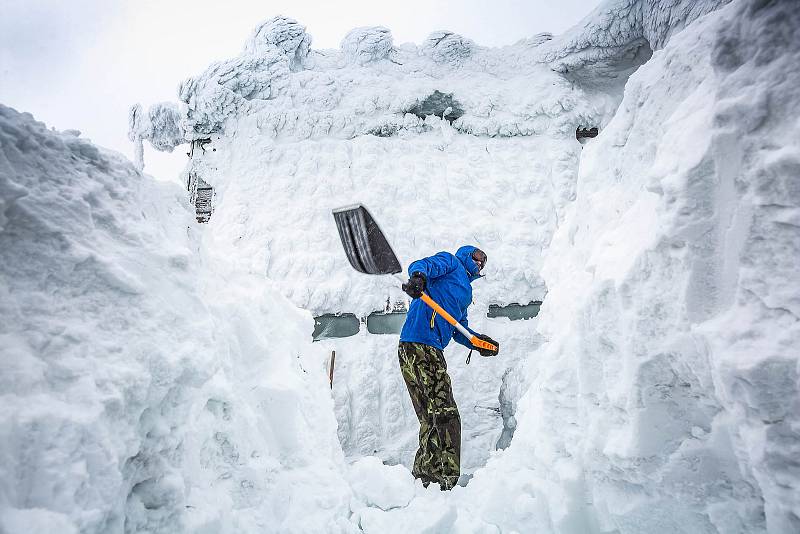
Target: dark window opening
{"x": 586, "y": 132}
{"x": 385, "y": 323}
{"x": 515, "y": 312}
{"x": 332, "y": 326}
{"x": 437, "y": 104}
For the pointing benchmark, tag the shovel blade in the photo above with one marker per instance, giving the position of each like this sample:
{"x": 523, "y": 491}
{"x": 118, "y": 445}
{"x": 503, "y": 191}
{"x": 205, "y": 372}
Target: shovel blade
{"x": 367, "y": 249}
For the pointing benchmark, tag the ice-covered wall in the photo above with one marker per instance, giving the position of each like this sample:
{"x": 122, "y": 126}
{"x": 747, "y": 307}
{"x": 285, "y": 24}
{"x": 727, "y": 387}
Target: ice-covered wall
{"x": 435, "y": 139}
{"x": 139, "y": 391}
{"x": 283, "y": 112}
{"x": 444, "y": 150}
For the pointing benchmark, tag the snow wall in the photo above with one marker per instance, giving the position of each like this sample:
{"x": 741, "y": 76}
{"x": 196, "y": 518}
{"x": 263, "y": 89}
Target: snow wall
{"x": 663, "y": 399}
{"x": 142, "y": 392}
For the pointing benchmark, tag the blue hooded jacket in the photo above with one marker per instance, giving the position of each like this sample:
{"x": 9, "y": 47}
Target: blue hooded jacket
{"x": 448, "y": 283}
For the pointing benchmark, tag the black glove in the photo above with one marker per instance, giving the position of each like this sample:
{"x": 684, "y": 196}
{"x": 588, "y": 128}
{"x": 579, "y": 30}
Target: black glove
{"x": 487, "y": 352}
{"x": 415, "y": 285}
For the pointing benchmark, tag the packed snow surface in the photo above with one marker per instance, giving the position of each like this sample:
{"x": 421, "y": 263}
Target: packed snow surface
{"x": 159, "y": 376}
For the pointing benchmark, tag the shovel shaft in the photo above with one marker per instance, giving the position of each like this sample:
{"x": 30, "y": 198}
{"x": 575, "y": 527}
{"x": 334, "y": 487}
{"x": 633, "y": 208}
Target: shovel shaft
{"x": 449, "y": 318}
{"x": 476, "y": 341}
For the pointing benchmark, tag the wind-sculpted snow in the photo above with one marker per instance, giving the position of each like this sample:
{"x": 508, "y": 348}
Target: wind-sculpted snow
{"x": 161, "y": 126}
{"x": 447, "y": 47}
{"x": 367, "y": 44}
{"x": 284, "y": 34}
{"x": 140, "y": 393}
{"x": 619, "y": 30}
{"x": 371, "y": 84}
{"x": 235, "y": 86}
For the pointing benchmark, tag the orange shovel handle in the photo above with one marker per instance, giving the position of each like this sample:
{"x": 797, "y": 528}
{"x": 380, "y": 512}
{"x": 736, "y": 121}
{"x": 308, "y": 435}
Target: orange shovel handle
{"x": 449, "y": 318}
{"x": 481, "y": 343}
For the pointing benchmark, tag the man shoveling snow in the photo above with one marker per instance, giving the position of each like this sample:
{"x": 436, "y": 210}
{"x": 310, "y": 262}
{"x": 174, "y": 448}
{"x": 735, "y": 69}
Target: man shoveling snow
{"x": 428, "y": 329}
{"x": 447, "y": 279}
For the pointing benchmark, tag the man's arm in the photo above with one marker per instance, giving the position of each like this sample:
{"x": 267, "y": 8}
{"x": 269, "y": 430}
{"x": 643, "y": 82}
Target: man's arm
{"x": 434, "y": 266}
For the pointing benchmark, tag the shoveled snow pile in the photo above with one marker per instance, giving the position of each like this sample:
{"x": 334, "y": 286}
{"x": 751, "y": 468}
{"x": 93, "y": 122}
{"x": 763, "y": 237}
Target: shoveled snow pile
{"x": 139, "y": 392}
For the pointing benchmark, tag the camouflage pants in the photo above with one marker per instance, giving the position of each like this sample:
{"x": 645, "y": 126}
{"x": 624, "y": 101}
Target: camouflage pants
{"x": 425, "y": 373}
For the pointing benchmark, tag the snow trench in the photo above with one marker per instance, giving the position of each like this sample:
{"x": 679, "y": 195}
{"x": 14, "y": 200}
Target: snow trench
{"x": 159, "y": 374}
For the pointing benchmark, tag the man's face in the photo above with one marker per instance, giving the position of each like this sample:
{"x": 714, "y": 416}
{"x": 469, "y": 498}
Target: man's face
{"x": 479, "y": 257}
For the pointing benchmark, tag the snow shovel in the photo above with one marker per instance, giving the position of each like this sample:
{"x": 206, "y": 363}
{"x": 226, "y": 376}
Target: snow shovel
{"x": 369, "y": 252}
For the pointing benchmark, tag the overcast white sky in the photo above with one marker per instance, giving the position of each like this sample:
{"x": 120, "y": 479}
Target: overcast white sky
{"x": 80, "y": 64}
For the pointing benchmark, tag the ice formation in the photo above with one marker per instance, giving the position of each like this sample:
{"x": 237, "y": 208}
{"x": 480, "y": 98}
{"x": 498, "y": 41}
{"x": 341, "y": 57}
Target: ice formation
{"x": 447, "y": 47}
{"x": 161, "y": 125}
{"x": 163, "y": 379}
{"x": 368, "y": 44}
{"x": 284, "y": 34}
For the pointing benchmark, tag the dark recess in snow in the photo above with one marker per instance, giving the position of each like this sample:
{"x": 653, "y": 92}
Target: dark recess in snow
{"x": 585, "y": 132}
{"x": 436, "y": 104}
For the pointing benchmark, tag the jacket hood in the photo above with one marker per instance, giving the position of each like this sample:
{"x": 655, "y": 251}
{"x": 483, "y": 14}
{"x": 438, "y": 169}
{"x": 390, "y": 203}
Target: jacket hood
{"x": 464, "y": 255}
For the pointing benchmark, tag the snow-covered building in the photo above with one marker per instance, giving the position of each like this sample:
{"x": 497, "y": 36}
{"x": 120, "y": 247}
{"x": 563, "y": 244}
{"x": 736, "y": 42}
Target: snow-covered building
{"x": 162, "y": 374}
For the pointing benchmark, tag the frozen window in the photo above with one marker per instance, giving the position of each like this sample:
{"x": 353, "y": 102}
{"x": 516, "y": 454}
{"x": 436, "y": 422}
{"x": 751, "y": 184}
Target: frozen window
{"x": 515, "y": 312}
{"x": 329, "y": 326}
{"x": 385, "y": 323}
{"x": 436, "y": 104}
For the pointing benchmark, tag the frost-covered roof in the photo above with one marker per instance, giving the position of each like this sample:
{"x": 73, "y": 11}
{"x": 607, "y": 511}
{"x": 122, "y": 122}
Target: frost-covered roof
{"x": 278, "y": 73}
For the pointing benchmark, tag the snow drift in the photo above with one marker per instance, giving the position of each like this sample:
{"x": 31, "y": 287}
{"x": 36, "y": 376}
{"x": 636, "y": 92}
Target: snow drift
{"x": 666, "y": 399}
{"x": 138, "y": 393}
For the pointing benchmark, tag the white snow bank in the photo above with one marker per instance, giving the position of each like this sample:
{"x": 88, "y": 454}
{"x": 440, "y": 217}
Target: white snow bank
{"x": 139, "y": 391}
{"x": 157, "y": 380}
{"x": 379, "y": 485}
{"x": 666, "y": 400}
